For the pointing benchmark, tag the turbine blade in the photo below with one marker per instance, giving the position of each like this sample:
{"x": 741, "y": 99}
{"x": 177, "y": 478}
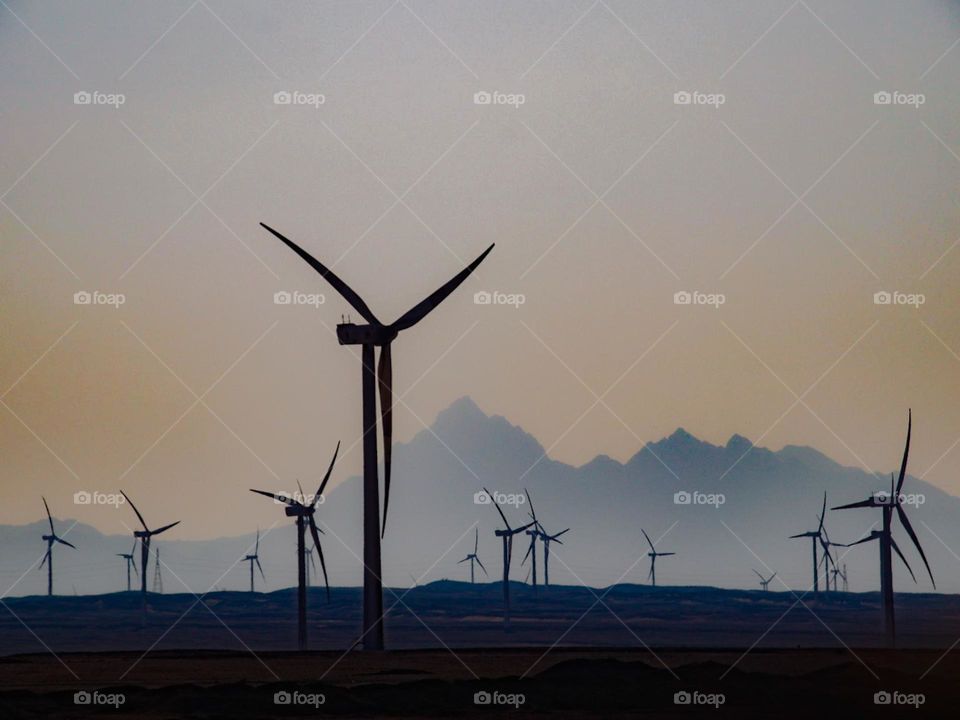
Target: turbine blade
{"x": 323, "y": 564}
{"x": 665, "y": 554}
{"x": 64, "y": 542}
{"x": 420, "y": 311}
{"x": 913, "y": 536}
{"x": 823, "y": 512}
{"x": 772, "y": 577}
{"x": 281, "y": 498}
{"x": 476, "y": 539}
{"x": 869, "y": 502}
{"x": 45, "y": 556}
{"x": 649, "y": 542}
{"x": 165, "y": 528}
{"x": 49, "y": 518}
{"x": 497, "y": 506}
{"x": 906, "y": 453}
{"x": 481, "y": 566}
{"x": 463, "y": 561}
{"x": 260, "y": 567}
{"x": 256, "y": 550}
{"x": 529, "y": 550}
{"x": 893, "y": 544}
{"x": 385, "y": 378}
{"x": 868, "y": 538}
{"x": 139, "y": 516}
{"x": 533, "y": 513}
{"x": 339, "y": 285}
{"x": 326, "y": 477}
{"x": 759, "y": 576}
{"x": 554, "y": 537}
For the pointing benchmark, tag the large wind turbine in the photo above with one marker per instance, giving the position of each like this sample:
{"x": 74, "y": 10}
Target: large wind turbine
{"x": 370, "y": 336}
{"x": 815, "y": 537}
{"x": 50, "y": 540}
{"x": 473, "y": 557}
{"x": 534, "y": 533}
{"x": 507, "y": 536}
{"x": 255, "y": 558}
{"x": 653, "y": 555}
{"x": 547, "y": 538}
{"x": 145, "y": 536}
{"x": 128, "y": 559}
{"x": 890, "y": 505}
{"x": 304, "y": 513}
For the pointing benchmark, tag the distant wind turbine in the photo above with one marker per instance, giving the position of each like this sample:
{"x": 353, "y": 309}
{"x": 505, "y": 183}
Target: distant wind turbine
{"x": 473, "y": 557}
{"x": 51, "y": 539}
{"x": 128, "y": 558}
{"x": 815, "y": 537}
{"x": 764, "y": 583}
{"x": 255, "y": 558}
{"x": 145, "y": 535}
{"x": 506, "y": 535}
{"x": 370, "y": 336}
{"x": 653, "y": 555}
{"x": 534, "y": 533}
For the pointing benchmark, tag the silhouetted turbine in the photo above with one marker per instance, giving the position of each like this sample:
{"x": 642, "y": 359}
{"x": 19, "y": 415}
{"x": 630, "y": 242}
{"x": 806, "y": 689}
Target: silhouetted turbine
{"x": 473, "y": 557}
{"x": 304, "y": 513}
{"x": 506, "y": 535}
{"x": 145, "y": 535}
{"x": 764, "y": 583}
{"x": 370, "y": 336}
{"x": 255, "y": 558}
{"x": 51, "y": 539}
{"x": 815, "y": 537}
{"x": 653, "y": 555}
{"x": 128, "y": 558}
{"x": 889, "y": 505}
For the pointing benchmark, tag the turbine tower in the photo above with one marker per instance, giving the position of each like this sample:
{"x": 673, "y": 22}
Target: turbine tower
{"x": 815, "y": 537}
{"x": 534, "y": 533}
{"x": 546, "y": 539}
{"x": 472, "y": 557}
{"x": 370, "y": 336}
{"x": 891, "y": 505}
{"x": 145, "y": 535}
{"x": 255, "y": 558}
{"x": 764, "y": 582}
{"x": 653, "y": 555}
{"x": 304, "y": 513}
{"x": 128, "y": 558}
{"x": 50, "y": 540}
{"x": 506, "y": 535}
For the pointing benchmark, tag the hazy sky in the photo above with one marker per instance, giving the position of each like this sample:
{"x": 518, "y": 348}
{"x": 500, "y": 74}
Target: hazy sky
{"x": 797, "y": 199}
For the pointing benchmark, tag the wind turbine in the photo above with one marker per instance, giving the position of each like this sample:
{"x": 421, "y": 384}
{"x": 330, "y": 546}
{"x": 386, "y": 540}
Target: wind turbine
{"x": 128, "y": 558}
{"x": 304, "y": 513}
{"x": 507, "y": 536}
{"x": 829, "y": 564}
{"x": 764, "y": 583}
{"x": 472, "y": 557}
{"x": 51, "y": 539}
{"x": 889, "y": 505}
{"x": 308, "y": 563}
{"x": 145, "y": 536}
{"x": 534, "y": 533}
{"x": 369, "y": 336}
{"x": 653, "y": 555}
{"x": 255, "y": 558}
{"x": 815, "y": 537}
{"x": 546, "y": 539}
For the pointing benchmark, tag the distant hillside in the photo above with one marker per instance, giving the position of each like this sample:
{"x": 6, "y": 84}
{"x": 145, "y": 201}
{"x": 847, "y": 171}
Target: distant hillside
{"x": 767, "y": 496}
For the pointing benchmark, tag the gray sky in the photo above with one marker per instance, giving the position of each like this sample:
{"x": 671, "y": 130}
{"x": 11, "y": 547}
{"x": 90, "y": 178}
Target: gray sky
{"x": 796, "y": 199}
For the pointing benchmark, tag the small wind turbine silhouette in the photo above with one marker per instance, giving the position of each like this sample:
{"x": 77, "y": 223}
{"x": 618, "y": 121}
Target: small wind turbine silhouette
{"x": 370, "y": 336}
{"x": 128, "y": 558}
{"x": 145, "y": 535}
{"x": 764, "y": 583}
{"x": 546, "y": 539}
{"x": 255, "y": 558}
{"x": 890, "y": 504}
{"x": 304, "y": 513}
{"x": 506, "y": 535}
{"x": 653, "y": 555}
{"x": 534, "y": 533}
{"x": 815, "y": 537}
{"x": 50, "y": 540}
{"x": 472, "y": 557}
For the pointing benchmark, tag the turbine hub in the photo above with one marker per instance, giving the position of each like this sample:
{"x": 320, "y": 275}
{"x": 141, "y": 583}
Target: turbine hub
{"x": 353, "y": 334}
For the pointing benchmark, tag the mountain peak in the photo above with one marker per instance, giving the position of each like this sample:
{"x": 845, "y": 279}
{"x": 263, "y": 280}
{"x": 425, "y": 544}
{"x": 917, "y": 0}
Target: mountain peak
{"x": 739, "y": 443}
{"x": 463, "y": 409}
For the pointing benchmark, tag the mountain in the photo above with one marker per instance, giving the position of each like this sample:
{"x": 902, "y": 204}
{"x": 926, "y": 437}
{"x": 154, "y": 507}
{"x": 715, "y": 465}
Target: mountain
{"x": 766, "y": 496}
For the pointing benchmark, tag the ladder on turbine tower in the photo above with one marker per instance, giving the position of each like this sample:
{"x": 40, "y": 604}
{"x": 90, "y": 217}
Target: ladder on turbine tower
{"x": 157, "y": 577}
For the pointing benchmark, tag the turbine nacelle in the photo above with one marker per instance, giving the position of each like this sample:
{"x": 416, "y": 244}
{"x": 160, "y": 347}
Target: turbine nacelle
{"x": 353, "y": 334}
